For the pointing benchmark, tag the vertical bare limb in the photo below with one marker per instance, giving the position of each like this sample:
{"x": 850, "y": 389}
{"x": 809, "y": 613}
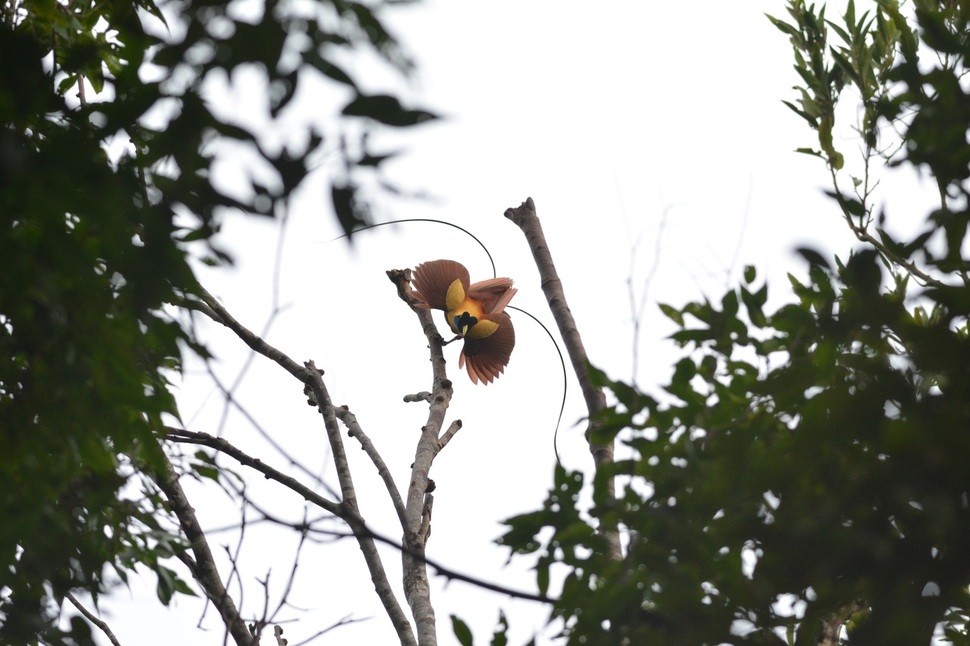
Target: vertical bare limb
{"x": 419, "y": 499}
{"x": 524, "y": 216}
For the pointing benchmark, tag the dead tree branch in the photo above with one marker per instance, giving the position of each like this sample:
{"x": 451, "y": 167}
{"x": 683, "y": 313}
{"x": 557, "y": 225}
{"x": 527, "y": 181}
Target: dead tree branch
{"x": 524, "y": 216}
{"x": 356, "y": 432}
{"x": 220, "y": 444}
{"x": 417, "y": 526}
{"x": 350, "y": 515}
{"x": 312, "y": 378}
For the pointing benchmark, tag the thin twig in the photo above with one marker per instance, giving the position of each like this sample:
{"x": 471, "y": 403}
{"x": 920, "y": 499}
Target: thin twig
{"x": 291, "y": 579}
{"x": 224, "y": 446}
{"x": 450, "y": 433}
{"x": 343, "y": 622}
{"x": 861, "y": 232}
{"x": 251, "y": 339}
{"x": 638, "y": 306}
{"x": 356, "y": 432}
{"x": 94, "y": 619}
{"x": 234, "y": 556}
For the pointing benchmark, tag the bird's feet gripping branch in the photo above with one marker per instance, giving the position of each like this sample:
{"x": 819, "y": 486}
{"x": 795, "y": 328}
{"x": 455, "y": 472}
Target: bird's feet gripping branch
{"x": 476, "y": 313}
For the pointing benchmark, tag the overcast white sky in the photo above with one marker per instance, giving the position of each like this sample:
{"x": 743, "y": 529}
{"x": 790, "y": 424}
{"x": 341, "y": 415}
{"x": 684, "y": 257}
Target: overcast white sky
{"x": 649, "y": 134}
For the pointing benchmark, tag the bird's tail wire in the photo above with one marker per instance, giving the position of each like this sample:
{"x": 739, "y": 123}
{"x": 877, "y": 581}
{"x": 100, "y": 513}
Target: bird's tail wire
{"x": 450, "y": 224}
{"x": 562, "y": 361}
{"x": 562, "y": 406}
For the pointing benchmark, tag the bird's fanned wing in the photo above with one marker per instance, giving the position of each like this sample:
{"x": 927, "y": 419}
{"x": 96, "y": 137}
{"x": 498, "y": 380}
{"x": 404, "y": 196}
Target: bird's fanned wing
{"x": 494, "y": 294}
{"x": 486, "y": 358}
{"x": 433, "y": 278}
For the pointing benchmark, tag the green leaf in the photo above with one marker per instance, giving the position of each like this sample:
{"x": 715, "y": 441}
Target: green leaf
{"x": 729, "y": 304}
{"x": 462, "y": 632}
{"x": 336, "y": 73}
{"x": 811, "y": 119}
{"x": 753, "y": 302}
{"x": 348, "y": 208}
{"x": 500, "y": 636}
{"x": 784, "y": 26}
{"x": 386, "y": 109}
{"x": 166, "y": 586}
{"x": 841, "y": 32}
{"x": 376, "y": 160}
{"x": 672, "y": 313}
{"x": 814, "y": 258}
{"x": 542, "y": 580}
{"x": 750, "y": 273}
{"x": 847, "y": 67}
{"x": 849, "y": 204}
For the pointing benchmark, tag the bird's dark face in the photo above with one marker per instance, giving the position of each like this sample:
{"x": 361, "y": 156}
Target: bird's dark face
{"x": 463, "y": 323}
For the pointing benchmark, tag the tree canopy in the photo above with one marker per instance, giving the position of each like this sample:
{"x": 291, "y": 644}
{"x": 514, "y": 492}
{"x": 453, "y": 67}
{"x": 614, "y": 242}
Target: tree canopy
{"x": 801, "y": 477}
{"x": 804, "y": 470}
{"x": 106, "y": 191}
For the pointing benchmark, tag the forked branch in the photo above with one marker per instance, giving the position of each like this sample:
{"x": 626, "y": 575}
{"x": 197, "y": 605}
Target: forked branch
{"x": 312, "y": 378}
{"x": 417, "y": 526}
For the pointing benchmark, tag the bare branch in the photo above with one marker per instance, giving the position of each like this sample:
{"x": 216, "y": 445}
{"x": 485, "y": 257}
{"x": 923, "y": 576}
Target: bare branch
{"x": 250, "y": 338}
{"x": 204, "y": 569}
{"x": 526, "y": 219}
{"x": 94, "y": 619}
{"x": 450, "y": 433}
{"x": 424, "y": 533}
{"x": 439, "y": 569}
{"x": 417, "y": 511}
{"x": 326, "y": 408}
{"x": 347, "y": 512}
{"x": 524, "y": 216}
{"x": 339, "y": 511}
{"x": 356, "y": 432}
{"x": 223, "y": 446}
{"x": 343, "y": 622}
{"x": 454, "y": 575}
{"x": 311, "y": 377}
{"x": 291, "y": 579}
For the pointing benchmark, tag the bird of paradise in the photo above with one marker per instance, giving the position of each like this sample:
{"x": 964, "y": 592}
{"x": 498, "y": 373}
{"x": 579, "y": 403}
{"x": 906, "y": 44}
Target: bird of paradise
{"x": 475, "y": 312}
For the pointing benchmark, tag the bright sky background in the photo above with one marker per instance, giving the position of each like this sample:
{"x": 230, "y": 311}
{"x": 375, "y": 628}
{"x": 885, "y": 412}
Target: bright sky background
{"x": 652, "y": 138}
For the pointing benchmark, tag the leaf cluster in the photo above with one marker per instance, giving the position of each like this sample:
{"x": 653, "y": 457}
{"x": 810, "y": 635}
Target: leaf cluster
{"x": 804, "y": 467}
{"x": 863, "y": 59}
{"x": 101, "y": 206}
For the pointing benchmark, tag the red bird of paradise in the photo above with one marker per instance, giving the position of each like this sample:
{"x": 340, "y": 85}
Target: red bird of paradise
{"x": 475, "y": 313}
